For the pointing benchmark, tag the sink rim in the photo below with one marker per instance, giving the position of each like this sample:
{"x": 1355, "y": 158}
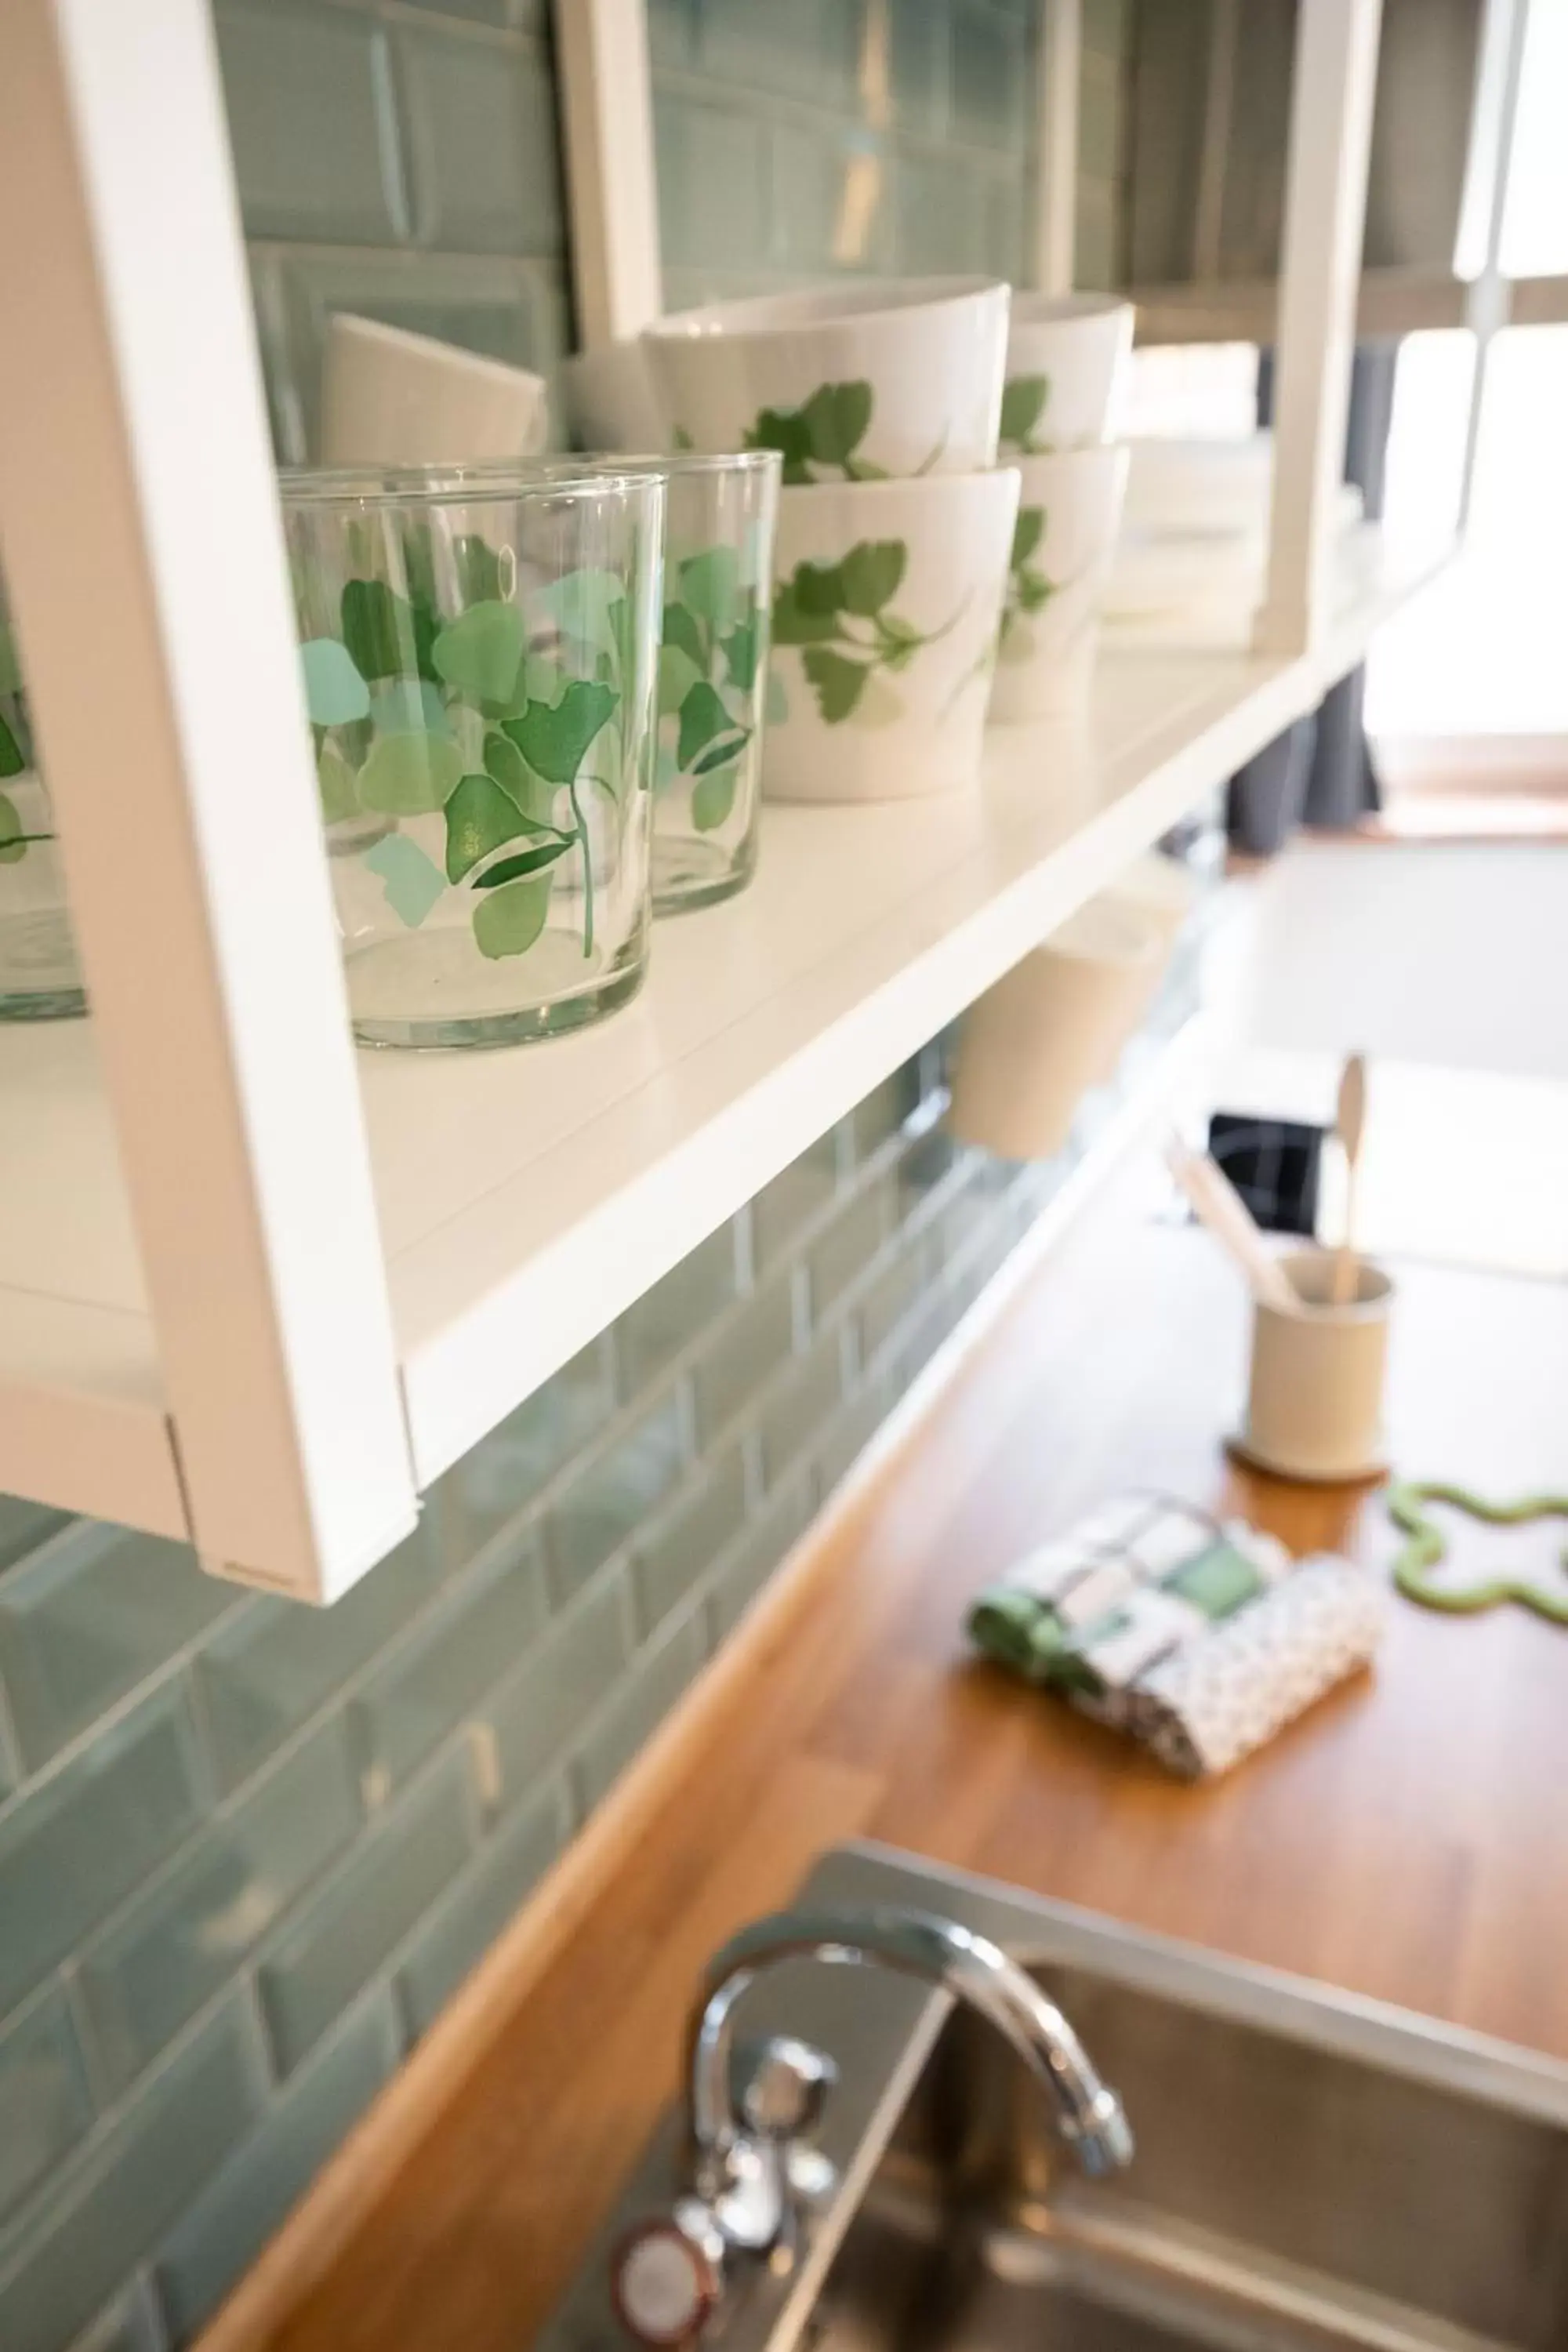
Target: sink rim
{"x": 1308, "y": 2009}
{"x": 1039, "y": 1931}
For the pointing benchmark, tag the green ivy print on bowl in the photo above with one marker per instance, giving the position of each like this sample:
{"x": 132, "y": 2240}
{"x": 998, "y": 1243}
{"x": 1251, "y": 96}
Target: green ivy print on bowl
{"x": 1025, "y": 400}
{"x": 824, "y": 434}
{"x": 483, "y": 717}
{"x": 16, "y": 755}
{"x": 1028, "y": 590}
{"x": 837, "y": 614}
{"x": 714, "y": 642}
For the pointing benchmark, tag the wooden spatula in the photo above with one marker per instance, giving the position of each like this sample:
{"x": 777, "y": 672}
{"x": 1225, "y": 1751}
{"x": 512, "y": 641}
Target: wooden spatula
{"x": 1350, "y": 1122}
{"x": 1221, "y": 1208}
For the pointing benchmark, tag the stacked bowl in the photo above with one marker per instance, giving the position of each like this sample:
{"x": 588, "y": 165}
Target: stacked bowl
{"x": 1067, "y": 360}
{"x": 895, "y": 527}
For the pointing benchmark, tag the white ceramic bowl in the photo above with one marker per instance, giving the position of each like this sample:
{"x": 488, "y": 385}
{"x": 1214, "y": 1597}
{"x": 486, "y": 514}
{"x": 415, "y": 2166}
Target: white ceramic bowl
{"x": 1070, "y": 509}
{"x": 608, "y": 399}
{"x": 887, "y": 600}
{"x": 1068, "y": 358}
{"x": 895, "y": 377}
{"x": 392, "y": 398}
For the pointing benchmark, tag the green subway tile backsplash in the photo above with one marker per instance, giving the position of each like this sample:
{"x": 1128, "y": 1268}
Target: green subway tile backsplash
{"x": 346, "y": 1932}
{"x": 44, "y": 2095}
{"x": 86, "y": 1619}
{"x": 840, "y": 136}
{"x": 274, "y": 1860}
{"x": 133, "y": 2323}
{"x": 184, "y": 1932}
{"x": 128, "y": 2185}
{"x": 236, "y": 2212}
{"x": 462, "y": 1925}
{"x": 74, "y": 1843}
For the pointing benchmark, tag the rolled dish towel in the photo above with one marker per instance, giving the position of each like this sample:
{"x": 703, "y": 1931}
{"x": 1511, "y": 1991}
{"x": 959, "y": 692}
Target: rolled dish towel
{"x": 1206, "y": 1706}
{"x": 1127, "y": 1586}
{"x": 1200, "y": 1640}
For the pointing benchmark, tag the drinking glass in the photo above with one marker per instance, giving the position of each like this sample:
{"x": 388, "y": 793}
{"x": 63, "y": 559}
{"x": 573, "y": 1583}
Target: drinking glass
{"x": 40, "y": 978}
{"x": 479, "y": 647}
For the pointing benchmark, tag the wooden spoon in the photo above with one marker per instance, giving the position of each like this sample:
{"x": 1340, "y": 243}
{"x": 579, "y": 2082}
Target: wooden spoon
{"x": 1221, "y": 1208}
{"x": 1350, "y": 1123}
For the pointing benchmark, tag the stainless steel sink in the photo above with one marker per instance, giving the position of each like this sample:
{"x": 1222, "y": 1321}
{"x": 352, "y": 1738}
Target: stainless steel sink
{"x": 1312, "y": 2170}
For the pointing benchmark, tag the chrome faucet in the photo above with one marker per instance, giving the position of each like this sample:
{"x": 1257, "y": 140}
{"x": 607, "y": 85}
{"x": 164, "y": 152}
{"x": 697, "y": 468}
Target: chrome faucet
{"x": 752, "y": 2169}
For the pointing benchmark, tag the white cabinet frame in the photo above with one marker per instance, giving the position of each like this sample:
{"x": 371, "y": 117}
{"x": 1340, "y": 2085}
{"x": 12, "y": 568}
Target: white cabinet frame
{"x": 140, "y": 516}
{"x": 1332, "y": 90}
{"x": 612, "y": 196}
{"x": 257, "y": 1372}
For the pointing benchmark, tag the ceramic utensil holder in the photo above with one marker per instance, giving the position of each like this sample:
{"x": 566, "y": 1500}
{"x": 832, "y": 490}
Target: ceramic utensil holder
{"x": 392, "y": 398}
{"x": 1054, "y": 1026}
{"x": 1314, "y": 1407}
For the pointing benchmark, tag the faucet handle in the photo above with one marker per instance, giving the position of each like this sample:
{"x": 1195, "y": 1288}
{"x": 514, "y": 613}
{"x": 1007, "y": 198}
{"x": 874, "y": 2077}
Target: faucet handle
{"x": 786, "y": 2086}
{"x": 667, "y": 2274}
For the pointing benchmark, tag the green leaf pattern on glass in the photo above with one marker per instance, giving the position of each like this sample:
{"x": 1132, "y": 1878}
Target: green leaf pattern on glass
{"x": 714, "y": 645}
{"x": 16, "y": 755}
{"x": 409, "y": 774}
{"x": 508, "y": 920}
{"x": 1025, "y": 400}
{"x": 13, "y": 840}
{"x": 838, "y": 616}
{"x": 412, "y": 881}
{"x": 1029, "y": 591}
{"x": 456, "y": 707}
{"x": 480, "y": 654}
{"x": 335, "y": 690}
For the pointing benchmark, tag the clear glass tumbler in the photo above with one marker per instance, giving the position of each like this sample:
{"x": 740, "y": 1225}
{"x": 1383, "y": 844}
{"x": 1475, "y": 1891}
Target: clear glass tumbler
{"x": 712, "y": 675}
{"x": 479, "y": 647}
{"x": 721, "y": 513}
{"x": 40, "y": 977}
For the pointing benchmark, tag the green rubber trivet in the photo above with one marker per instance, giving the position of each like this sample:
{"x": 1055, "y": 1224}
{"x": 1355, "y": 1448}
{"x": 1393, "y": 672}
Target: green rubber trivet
{"x": 1407, "y": 1508}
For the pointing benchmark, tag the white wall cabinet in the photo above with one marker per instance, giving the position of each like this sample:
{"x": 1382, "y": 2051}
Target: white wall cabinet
{"x": 258, "y": 1289}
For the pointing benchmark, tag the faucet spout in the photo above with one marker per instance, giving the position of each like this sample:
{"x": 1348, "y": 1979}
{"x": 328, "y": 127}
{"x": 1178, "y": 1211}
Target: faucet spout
{"x": 751, "y": 2171}
{"x": 938, "y": 1951}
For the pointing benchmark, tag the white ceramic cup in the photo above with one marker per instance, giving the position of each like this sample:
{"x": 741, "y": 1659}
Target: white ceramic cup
{"x": 854, "y": 381}
{"x": 1051, "y": 1028}
{"x": 1314, "y": 1406}
{"x": 1069, "y": 512}
{"x": 392, "y": 398}
{"x": 1068, "y": 359}
{"x": 608, "y": 398}
{"x": 887, "y": 598}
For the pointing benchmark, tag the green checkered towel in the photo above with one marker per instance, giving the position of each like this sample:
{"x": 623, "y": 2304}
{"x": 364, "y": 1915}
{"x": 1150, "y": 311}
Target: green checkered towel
{"x": 1127, "y": 1587}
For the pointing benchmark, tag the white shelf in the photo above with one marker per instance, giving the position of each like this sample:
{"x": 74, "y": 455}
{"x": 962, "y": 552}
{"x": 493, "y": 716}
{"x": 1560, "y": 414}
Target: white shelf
{"x": 526, "y": 1198}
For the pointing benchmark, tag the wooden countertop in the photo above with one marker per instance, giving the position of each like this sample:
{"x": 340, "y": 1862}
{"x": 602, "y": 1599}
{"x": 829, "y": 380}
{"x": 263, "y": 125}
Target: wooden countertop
{"x": 1408, "y": 1838}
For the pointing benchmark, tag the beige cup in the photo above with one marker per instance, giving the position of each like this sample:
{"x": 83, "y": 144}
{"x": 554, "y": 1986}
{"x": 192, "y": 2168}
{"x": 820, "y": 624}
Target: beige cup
{"x": 1052, "y": 1027}
{"x": 1160, "y": 889}
{"x": 1314, "y": 1409}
